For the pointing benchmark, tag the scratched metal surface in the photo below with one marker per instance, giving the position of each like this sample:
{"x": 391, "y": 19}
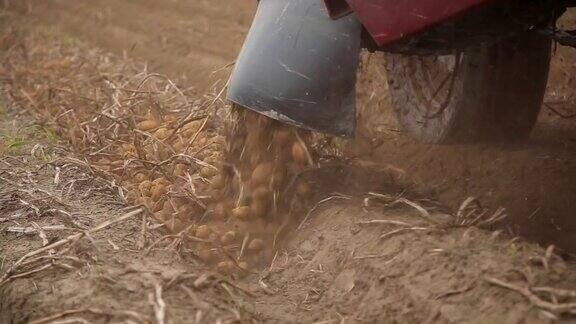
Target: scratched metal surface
{"x": 299, "y": 66}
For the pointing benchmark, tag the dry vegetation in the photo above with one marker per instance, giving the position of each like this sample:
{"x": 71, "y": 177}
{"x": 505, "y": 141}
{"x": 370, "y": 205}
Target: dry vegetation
{"x": 152, "y": 143}
{"x": 162, "y": 148}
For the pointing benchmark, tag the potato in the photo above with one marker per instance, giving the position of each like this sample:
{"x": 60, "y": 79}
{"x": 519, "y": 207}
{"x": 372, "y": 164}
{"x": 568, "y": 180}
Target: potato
{"x": 225, "y": 267}
{"x": 243, "y": 269}
{"x": 126, "y": 149}
{"x": 208, "y": 172}
{"x": 203, "y": 231}
{"x": 299, "y": 153}
{"x": 218, "y": 182}
{"x": 170, "y": 118}
{"x": 158, "y": 191}
{"x": 221, "y": 211}
{"x": 261, "y": 193}
{"x": 258, "y": 208}
{"x": 147, "y": 125}
{"x": 242, "y": 213}
{"x": 207, "y": 255}
{"x": 228, "y": 238}
{"x": 278, "y": 178}
{"x": 179, "y": 146}
{"x": 160, "y": 180}
{"x": 262, "y": 173}
{"x": 244, "y": 265}
{"x": 192, "y": 126}
{"x": 256, "y": 245}
{"x": 201, "y": 141}
{"x": 282, "y": 136}
{"x": 162, "y": 133}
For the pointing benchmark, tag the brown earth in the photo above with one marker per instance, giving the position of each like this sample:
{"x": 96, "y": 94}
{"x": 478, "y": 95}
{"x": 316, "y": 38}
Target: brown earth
{"x": 353, "y": 261}
{"x": 534, "y": 180}
{"x": 187, "y": 39}
{"x": 336, "y": 268}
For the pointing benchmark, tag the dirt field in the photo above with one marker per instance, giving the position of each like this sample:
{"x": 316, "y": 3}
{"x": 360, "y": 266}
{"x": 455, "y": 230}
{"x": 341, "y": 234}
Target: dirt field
{"x": 179, "y": 38}
{"x": 534, "y": 180}
{"x": 355, "y": 260}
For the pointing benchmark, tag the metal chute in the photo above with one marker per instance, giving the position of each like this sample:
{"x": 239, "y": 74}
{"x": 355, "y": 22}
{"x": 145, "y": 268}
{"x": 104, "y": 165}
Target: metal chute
{"x": 299, "y": 66}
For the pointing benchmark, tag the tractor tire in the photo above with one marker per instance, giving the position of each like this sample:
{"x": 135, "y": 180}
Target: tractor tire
{"x": 492, "y": 92}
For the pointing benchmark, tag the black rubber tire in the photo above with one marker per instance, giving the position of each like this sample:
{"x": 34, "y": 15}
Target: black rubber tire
{"x": 494, "y": 94}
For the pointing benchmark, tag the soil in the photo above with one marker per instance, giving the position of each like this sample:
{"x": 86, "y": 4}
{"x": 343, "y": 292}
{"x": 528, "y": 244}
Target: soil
{"x": 105, "y": 278}
{"x": 338, "y": 266}
{"x": 347, "y": 262}
{"x": 534, "y": 180}
{"x": 188, "y": 39}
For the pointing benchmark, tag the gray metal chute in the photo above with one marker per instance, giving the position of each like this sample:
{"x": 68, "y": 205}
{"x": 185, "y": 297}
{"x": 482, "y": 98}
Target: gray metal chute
{"x": 299, "y": 66}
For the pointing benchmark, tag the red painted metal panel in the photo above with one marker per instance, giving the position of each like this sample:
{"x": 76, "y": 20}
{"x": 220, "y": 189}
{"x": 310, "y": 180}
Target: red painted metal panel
{"x": 391, "y": 20}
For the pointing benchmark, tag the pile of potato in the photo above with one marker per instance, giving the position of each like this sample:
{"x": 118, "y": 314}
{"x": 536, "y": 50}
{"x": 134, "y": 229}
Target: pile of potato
{"x": 231, "y": 195}
{"x": 228, "y": 192}
{"x": 256, "y": 193}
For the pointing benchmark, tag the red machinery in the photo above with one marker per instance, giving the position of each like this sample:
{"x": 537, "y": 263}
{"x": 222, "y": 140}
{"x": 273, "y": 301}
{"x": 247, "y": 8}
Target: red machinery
{"x": 458, "y": 70}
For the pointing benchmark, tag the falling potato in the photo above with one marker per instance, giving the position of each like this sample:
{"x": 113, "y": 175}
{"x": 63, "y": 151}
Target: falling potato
{"x": 218, "y": 182}
{"x": 261, "y": 193}
{"x": 262, "y": 173}
{"x": 256, "y": 245}
{"x": 242, "y": 213}
{"x": 221, "y": 211}
{"x": 258, "y": 208}
{"x": 299, "y": 153}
